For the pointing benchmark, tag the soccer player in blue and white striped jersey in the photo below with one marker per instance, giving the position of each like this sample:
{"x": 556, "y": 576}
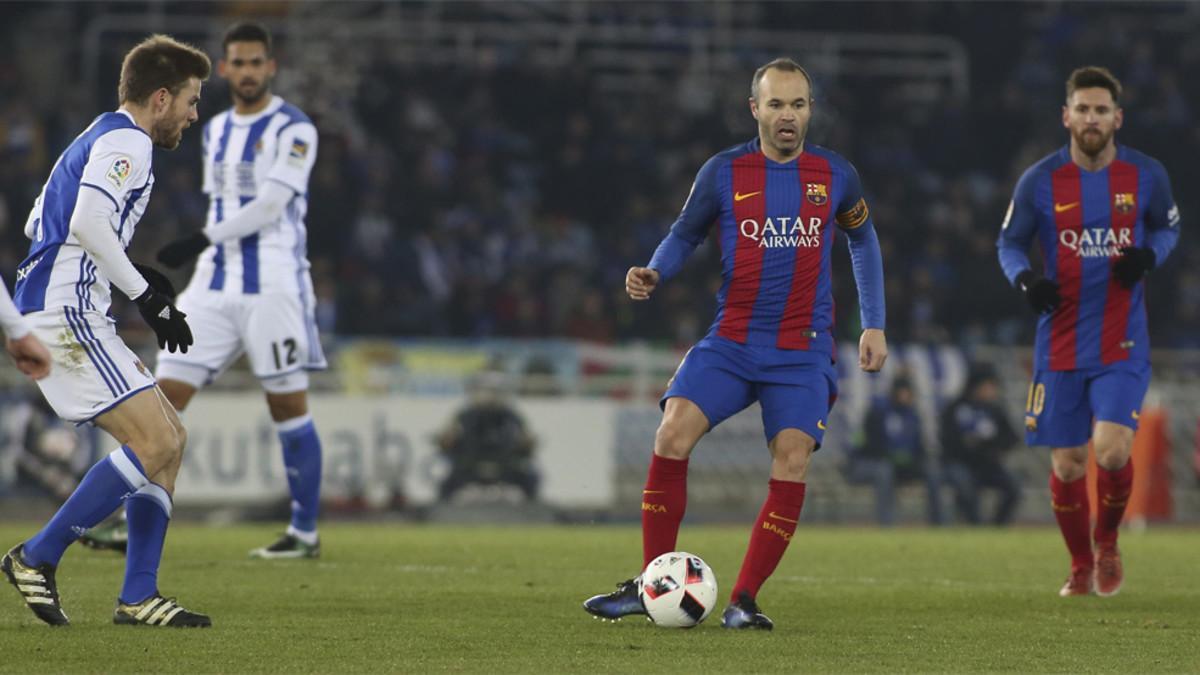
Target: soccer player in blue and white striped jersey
{"x": 79, "y": 228}
{"x": 251, "y": 292}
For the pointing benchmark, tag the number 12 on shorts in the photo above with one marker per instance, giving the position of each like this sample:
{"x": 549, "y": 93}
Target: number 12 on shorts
{"x": 284, "y": 353}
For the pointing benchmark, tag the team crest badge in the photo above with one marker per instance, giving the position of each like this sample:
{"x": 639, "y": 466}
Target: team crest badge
{"x": 1123, "y": 202}
{"x": 816, "y": 193}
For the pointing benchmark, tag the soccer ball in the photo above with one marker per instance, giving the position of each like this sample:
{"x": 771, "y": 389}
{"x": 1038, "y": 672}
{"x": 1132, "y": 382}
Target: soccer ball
{"x": 678, "y": 590}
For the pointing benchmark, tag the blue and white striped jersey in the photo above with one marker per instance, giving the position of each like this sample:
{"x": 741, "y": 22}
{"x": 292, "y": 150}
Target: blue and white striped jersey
{"x": 240, "y": 153}
{"x": 113, "y": 155}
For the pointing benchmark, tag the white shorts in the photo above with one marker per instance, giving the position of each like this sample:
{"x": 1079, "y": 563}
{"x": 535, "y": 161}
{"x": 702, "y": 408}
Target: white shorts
{"x": 276, "y": 331}
{"x": 91, "y": 369}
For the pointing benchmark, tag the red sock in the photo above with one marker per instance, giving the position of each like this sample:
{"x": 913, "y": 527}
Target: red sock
{"x": 769, "y": 540}
{"x": 663, "y": 503}
{"x": 1112, "y": 489}
{"x": 1071, "y": 510}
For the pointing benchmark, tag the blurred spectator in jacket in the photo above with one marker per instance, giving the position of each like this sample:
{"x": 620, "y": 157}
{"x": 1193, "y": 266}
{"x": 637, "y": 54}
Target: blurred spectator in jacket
{"x": 975, "y": 435}
{"x": 488, "y": 443}
{"x": 892, "y": 452}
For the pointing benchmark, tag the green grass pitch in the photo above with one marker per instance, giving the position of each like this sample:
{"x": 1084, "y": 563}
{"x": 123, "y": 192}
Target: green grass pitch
{"x": 402, "y": 598}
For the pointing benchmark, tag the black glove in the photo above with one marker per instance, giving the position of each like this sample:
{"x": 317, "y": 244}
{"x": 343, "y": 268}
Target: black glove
{"x": 158, "y": 281}
{"x": 1133, "y": 265}
{"x": 183, "y": 250}
{"x": 169, "y": 327}
{"x": 1041, "y": 293}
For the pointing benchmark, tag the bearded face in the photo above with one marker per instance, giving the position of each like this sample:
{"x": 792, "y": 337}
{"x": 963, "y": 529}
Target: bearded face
{"x": 178, "y": 113}
{"x": 1092, "y": 117}
{"x": 248, "y": 68}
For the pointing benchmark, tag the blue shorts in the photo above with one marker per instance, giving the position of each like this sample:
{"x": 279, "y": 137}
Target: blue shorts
{"x": 796, "y": 389}
{"x": 1062, "y": 404}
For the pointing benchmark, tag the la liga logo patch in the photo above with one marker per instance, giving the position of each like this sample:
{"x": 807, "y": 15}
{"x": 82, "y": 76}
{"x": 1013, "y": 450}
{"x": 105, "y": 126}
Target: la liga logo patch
{"x": 298, "y": 152}
{"x": 119, "y": 171}
{"x": 299, "y": 149}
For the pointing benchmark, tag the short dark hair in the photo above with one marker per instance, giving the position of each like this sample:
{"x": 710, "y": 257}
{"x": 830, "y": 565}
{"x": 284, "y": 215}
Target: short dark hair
{"x": 160, "y": 61}
{"x": 1088, "y": 77}
{"x": 784, "y": 64}
{"x": 247, "y": 31}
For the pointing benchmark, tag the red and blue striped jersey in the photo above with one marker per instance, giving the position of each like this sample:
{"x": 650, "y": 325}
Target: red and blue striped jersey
{"x": 1081, "y": 220}
{"x": 773, "y": 226}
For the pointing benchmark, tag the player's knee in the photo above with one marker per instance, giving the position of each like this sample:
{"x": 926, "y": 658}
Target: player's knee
{"x": 289, "y": 406}
{"x": 1114, "y": 444}
{"x": 673, "y": 441}
{"x": 791, "y": 451}
{"x": 166, "y": 442}
{"x": 791, "y": 463}
{"x": 1112, "y": 456}
{"x": 1068, "y": 466}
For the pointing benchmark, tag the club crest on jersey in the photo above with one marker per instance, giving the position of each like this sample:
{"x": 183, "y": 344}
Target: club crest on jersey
{"x": 816, "y": 193}
{"x": 119, "y": 171}
{"x": 783, "y": 232}
{"x": 1123, "y": 202}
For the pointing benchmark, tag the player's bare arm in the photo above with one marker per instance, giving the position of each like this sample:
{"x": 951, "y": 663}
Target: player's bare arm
{"x": 872, "y": 350}
{"x": 640, "y": 282}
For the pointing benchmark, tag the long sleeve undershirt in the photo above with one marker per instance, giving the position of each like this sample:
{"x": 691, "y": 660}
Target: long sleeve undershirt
{"x": 10, "y": 317}
{"x": 867, "y": 262}
{"x": 258, "y": 213}
{"x": 91, "y": 226}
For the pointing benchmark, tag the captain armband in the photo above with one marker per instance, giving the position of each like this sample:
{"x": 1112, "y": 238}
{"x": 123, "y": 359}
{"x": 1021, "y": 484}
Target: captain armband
{"x": 857, "y": 215}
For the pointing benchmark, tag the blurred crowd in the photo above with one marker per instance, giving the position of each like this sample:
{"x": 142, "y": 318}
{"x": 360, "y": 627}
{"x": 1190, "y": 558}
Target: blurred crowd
{"x": 502, "y": 198}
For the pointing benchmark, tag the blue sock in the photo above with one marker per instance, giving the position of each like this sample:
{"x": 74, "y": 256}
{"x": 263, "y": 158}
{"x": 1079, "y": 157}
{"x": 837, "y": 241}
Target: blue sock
{"x": 302, "y": 459}
{"x": 149, "y": 513}
{"x": 99, "y": 494}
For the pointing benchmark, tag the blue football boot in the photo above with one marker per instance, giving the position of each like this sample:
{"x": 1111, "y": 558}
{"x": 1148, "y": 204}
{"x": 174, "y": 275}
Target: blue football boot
{"x": 745, "y": 614}
{"x": 624, "y": 601}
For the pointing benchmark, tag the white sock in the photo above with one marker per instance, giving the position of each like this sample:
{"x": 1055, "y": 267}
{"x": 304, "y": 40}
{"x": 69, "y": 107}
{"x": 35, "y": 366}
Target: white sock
{"x": 309, "y": 538}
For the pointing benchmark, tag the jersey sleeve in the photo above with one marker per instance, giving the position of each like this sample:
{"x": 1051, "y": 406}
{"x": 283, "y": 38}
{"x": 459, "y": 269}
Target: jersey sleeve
{"x": 852, "y": 210}
{"x": 118, "y": 164}
{"x": 1162, "y": 215}
{"x": 297, "y": 152}
{"x": 1019, "y": 227}
{"x": 701, "y": 209}
{"x": 866, "y": 259}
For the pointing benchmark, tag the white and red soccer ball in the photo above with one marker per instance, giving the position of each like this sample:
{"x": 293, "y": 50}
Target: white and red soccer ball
{"x": 678, "y": 590}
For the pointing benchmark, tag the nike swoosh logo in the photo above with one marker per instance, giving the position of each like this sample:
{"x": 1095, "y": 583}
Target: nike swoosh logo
{"x": 821, "y": 425}
{"x": 737, "y": 196}
{"x": 653, "y": 492}
{"x": 1059, "y": 208}
{"x": 776, "y": 516}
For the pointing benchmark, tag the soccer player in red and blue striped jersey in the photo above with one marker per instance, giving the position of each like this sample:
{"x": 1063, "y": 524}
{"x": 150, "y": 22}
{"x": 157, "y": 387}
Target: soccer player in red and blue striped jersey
{"x": 1103, "y": 216}
{"x": 774, "y": 201}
